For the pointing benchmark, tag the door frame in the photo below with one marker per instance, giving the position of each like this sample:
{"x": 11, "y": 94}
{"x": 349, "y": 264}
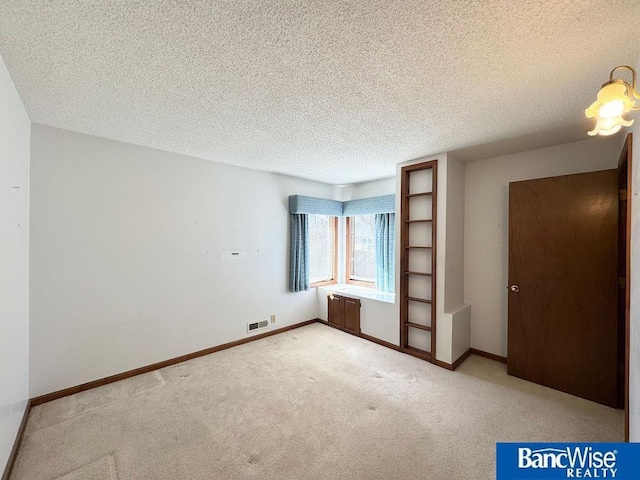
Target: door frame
{"x": 625, "y": 171}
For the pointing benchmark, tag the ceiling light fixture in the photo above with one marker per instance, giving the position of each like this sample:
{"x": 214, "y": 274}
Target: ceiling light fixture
{"x": 615, "y": 98}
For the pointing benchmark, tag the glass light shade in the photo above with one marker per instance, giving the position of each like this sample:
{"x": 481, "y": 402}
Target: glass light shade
{"x": 611, "y": 131}
{"x": 609, "y": 126}
{"x": 613, "y": 101}
{"x": 611, "y": 109}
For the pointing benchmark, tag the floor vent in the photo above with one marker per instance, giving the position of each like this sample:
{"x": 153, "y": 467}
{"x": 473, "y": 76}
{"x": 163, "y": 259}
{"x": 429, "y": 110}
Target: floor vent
{"x": 257, "y": 325}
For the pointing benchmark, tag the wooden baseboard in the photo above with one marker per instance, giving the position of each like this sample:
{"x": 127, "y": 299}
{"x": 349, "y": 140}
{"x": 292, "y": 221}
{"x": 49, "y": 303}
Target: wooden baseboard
{"x": 16, "y": 445}
{"x": 455, "y": 364}
{"x": 441, "y": 364}
{"x": 365, "y": 336}
{"x": 492, "y": 356}
{"x": 418, "y": 353}
{"x": 461, "y": 359}
{"x": 166, "y": 363}
{"x": 155, "y": 366}
{"x": 380, "y": 342}
{"x": 324, "y": 322}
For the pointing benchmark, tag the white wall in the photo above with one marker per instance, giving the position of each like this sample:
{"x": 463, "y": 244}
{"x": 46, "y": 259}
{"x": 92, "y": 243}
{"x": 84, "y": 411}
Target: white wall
{"x": 486, "y": 225}
{"x": 375, "y": 188}
{"x": 14, "y": 262}
{"x": 455, "y": 326}
{"x": 454, "y": 261}
{"x": 460, "y": 321}
{"x": 128, "y": 255}
{"x": 634, "y": 354}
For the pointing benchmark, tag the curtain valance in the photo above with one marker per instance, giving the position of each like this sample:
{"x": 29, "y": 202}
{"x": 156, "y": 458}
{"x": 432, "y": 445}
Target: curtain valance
{"x": 299, "y": 204}
{"x": 369, "y": 206}
{"x": 314, "y": 206}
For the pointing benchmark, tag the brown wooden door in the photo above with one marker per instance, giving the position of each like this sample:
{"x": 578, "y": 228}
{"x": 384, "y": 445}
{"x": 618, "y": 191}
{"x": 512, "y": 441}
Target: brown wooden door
{"x": 563, "y": 262}
{"x": 351, "y": 311}
{"x": 335, "y": 314}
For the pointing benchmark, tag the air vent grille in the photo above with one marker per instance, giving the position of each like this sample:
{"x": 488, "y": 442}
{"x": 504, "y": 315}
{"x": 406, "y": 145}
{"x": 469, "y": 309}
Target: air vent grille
{"x": 251, "y": 327}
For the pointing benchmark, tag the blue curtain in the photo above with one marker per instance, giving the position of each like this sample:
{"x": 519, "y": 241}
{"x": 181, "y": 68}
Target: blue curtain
{"x": 385, "y": 251}
{"x": 299, "y": 245}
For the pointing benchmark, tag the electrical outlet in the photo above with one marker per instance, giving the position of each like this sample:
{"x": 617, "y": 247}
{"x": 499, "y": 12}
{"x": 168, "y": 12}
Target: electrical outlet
{"x": 273, "y": 318}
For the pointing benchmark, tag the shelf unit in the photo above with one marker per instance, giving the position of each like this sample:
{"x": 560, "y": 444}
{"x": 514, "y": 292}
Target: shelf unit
{"x": 418, "y": 281}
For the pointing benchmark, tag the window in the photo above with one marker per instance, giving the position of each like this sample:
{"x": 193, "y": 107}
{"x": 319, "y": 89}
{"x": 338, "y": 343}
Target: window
{"x": 323, "y": 239}
{"x": 368, "y": 242}
{"x": 361, "y": 251}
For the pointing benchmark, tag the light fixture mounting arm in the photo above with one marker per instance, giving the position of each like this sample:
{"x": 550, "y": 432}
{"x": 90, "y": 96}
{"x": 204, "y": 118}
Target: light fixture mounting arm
{"x": 632, "y": 85}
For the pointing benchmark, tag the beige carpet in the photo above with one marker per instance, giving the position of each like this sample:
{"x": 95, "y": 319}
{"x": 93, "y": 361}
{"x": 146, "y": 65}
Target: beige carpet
{"x": 312, "y": 403}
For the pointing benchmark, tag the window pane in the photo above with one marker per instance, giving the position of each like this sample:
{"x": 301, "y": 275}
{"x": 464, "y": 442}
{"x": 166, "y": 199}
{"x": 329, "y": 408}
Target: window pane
{"x": 321, "y": 247}
{"x": 363, "y": 251}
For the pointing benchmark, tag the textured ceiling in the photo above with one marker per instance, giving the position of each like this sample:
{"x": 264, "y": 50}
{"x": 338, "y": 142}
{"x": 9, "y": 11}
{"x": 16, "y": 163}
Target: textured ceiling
{"x": 336, "y": 91}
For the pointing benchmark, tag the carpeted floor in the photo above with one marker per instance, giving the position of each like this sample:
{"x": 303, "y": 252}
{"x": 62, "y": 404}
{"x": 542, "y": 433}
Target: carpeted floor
{"x": 312, "y": 403}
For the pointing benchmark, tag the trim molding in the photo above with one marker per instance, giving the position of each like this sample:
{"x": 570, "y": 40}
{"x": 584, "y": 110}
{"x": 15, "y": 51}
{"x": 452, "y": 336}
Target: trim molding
{"x": 625, "y": 171}
{"x": 441, "y": 364}
{"x": 461, "y": 359}
{"x": 363, "y": 335}
{"x": 380, "y": 342}
{"x": 325, "y": 322}
{"x": 16, "y": 445}
{"x": 155, "y": 366}
{"x": 492, "y": 356}
{"x": 454, "y": 365}
{"x": 445, "y": 365}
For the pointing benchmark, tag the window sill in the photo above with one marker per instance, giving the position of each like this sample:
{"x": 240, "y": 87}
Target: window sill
{"x": 323, "y": 284}
{"x": 360, "y": 292}
{"x": 362, "y": 283}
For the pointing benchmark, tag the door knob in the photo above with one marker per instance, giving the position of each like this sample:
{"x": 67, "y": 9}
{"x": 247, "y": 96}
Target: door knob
{"x": 514, "y": 288}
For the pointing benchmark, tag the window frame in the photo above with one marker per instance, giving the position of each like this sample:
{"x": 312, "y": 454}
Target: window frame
{"x": 348, "y": 279}
{"x": 333, "y": 280}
